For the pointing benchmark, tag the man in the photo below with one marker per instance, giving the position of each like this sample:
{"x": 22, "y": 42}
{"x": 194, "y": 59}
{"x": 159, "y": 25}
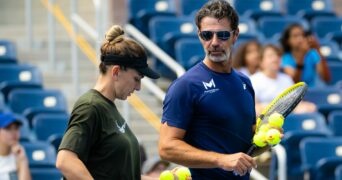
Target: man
{"x": 13, "y": 161}
{"x": 208, "y": 114}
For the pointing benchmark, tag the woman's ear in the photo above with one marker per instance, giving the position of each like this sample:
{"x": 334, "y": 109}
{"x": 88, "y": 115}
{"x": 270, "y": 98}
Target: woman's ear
{"x": 115, "y": 71}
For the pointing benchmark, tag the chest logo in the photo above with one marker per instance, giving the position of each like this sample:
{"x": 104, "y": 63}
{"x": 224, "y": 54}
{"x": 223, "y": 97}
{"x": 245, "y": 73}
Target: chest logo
{"x": 210, "y": 84}
{"x": 244, "y": 86}
{"x": 122, "y": 128}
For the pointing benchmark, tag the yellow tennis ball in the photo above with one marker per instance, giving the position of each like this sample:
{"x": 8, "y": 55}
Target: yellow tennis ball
{"x": 264, "y": 128}
{"x": 276, "y": 120}
{"x": 182, "y": 173}
{"x": 166, "y": 175}
{"x": 273, "y": 136}
{"x": 259, "y": 139}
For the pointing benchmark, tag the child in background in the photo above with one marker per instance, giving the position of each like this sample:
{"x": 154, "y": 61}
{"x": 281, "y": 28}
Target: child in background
{"x": 247, "y": 58}
{"x": 269, "y": 81}
{"x": 13, "y": 160}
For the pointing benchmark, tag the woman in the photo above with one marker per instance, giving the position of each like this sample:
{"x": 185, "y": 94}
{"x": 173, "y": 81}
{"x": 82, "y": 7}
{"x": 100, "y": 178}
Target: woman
{"x": 13, "y": 160}
{"x": 300, "y": 60}
{"x": 98, "y": 143}
{"x": 269, "y": 81}
{"x": 247, "y": 58}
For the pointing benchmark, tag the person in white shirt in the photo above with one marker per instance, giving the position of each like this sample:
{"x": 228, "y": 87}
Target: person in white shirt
{"x": 13, "y": 160}
{"x": 269, "y": 81}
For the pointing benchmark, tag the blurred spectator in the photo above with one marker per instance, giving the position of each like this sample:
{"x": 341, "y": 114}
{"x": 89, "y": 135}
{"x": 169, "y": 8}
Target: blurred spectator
{"x": 269, "y": 81}
{"x": 154, "y": 166}
{"x": 13, "y": 160}
{"x": 301, "y": 60}
{"x": 247, "y": 58}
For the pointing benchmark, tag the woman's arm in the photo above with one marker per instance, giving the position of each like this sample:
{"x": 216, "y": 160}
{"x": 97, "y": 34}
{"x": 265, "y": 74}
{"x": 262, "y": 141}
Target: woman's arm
{"x": 71, "y": 166}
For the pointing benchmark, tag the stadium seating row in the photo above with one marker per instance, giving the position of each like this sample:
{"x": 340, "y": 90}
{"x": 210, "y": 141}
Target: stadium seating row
{"x": 299, "y": 130}
{"x": 167, "y": 21}
{"x": 43, "y": 112}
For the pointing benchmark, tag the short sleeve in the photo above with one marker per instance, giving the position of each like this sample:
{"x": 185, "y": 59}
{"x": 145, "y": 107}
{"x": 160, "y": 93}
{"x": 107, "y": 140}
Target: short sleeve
{"x": 287, "y": 61}
{"x": 314, "y": 56}
{"x": 80, "y": 132}
{"x": 178, "y": 105}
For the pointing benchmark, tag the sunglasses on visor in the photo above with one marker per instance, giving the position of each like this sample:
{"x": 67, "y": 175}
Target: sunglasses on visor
{"x": 222, "y": 35}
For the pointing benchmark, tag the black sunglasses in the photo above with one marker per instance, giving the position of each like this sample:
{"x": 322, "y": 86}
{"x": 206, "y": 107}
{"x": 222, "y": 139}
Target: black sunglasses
{"x": 222, "y": 35}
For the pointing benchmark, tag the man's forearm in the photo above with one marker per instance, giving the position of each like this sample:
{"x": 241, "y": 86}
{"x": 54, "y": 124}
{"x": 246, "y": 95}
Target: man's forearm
{"x": 179, "y": 152}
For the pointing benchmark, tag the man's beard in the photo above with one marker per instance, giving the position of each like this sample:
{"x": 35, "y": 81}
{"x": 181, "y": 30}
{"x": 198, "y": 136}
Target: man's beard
{"x": 224, "y": 57}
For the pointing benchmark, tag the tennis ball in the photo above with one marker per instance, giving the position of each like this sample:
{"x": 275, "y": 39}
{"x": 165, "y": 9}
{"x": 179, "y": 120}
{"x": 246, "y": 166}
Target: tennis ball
{"x": 276, "y": 120}
{"x": 182, "y": 173}
{"x": 259, "y": 139}
{"x": 264, "y": 128}
{"x": 273, "y": 136}
{"x": 166, "y": 175}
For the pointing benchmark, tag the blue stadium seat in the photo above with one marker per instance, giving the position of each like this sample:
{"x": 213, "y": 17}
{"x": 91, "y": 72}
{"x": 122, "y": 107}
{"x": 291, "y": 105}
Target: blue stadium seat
{"x": 327, "y": 27}
{"x": 335, "y": 122}
{"x": 30, "y": 102}
{"x": 278, "y": 24}
{"x": 165, "y": 31}
{"x": 293, "y": 7}
{"x": 189, "y": 58}
{"x": 329, "y": 49}
{"x": 247, "y": 27}
{"x": 298, "y": 127}
{"x": 45, "y": 125}
{"x": 141, "y": 12}
{"x": 55, "y": 140}
{"x": 21, "y": 73}
{"x": 19, "y": 76}
{"x": 8, "y": 52}
{"x": 3, "y": 106}
{"x": 188, "y": 7}
{"x": 40, "y": 154}
{"x": 338, "y": 173}
{"x": 326, "y": 99}
{"x": 321, "y": 156}
{"x": 336, "y": 72}
{"x": 257, "y": 8}
{"x": 45, "y": 174}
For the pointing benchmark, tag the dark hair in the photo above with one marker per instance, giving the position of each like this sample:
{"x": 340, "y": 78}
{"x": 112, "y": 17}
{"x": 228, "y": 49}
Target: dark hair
{"x": 218, "y": 9}
{"x": 116, "y": 44}
{"x": 284, "y": 40}
{"x": 240, "y": 55}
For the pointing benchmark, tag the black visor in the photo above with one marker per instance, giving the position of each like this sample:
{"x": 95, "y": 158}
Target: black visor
{"x": 138, "y": 63}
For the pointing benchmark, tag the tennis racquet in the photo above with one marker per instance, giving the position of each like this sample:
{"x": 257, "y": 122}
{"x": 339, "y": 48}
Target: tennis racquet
{"x": 283, "y": 104}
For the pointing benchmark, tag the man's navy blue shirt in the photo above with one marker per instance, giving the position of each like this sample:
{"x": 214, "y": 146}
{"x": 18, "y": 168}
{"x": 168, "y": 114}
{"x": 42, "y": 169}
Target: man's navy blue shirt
{"x": 217, "y": 111}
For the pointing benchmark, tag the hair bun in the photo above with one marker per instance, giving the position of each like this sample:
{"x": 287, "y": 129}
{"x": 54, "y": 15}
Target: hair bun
{"x": 114, "y": 33}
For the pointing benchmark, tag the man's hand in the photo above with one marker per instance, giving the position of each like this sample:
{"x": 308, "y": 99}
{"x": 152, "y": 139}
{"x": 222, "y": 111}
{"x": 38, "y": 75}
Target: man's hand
{"x": 239, "y": 163}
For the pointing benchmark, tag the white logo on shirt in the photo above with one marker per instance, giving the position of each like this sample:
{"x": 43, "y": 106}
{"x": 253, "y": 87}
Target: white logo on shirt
{"x": 122, "y": 128}
{"x": 244, "y": 86}
{"x": 210, "y": 84}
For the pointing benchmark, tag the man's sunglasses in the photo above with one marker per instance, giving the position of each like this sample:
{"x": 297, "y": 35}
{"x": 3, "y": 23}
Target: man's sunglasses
{"x": 222, "y": 35}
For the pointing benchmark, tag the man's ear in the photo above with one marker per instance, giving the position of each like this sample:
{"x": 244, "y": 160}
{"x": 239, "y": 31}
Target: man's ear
{"x": 236, "y": 35}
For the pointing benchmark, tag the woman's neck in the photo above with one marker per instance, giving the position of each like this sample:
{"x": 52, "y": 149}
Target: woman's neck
{"x": 103, "y": 87}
